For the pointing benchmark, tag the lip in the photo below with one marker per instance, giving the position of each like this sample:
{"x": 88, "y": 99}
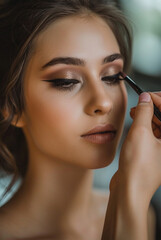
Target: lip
{"x": 100, "y": 134}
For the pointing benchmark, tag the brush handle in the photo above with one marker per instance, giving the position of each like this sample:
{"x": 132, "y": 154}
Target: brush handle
{"x": 138, "y": 90}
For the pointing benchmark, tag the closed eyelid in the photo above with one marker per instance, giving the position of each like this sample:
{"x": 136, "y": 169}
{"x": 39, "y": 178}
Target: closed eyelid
{"x": 63, "y": 73}
{"x": 81, "y": 75}
{"x": 61, "y": 79}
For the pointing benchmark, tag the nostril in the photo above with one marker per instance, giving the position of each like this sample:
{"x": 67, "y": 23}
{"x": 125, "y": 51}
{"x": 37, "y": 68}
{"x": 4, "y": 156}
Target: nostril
{"x": 97, "y": 111}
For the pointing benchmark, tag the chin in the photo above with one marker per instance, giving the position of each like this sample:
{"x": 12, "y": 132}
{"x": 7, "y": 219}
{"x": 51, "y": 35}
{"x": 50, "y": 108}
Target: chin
{"x": 101, "y": 162}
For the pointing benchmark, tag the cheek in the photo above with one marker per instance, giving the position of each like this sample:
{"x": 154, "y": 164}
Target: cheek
{"x": 120, "y": 104}
{"x": 51, "y": 116}
{"x": 123, "y": 98}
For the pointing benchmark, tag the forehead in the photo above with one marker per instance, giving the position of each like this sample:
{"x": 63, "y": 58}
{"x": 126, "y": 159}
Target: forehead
{"x": 84, "y": 37}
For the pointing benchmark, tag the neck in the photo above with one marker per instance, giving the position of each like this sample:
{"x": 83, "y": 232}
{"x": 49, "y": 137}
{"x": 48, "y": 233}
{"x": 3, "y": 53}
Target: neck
{"x": 55, "y": 192}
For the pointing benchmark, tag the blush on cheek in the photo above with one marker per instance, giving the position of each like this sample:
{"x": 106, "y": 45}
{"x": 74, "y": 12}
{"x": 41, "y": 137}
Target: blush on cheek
{"x": 51, "y": 115}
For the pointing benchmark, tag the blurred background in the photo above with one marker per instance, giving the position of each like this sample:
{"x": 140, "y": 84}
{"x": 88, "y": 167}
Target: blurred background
{"x": 145, "y": 18}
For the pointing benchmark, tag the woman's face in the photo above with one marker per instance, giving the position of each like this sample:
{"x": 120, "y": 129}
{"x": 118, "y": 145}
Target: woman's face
{"x": 76, "y": 55}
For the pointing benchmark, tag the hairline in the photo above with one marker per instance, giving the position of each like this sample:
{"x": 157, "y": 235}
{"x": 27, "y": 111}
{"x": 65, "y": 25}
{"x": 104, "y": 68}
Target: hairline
{"x": 82, "y": 15}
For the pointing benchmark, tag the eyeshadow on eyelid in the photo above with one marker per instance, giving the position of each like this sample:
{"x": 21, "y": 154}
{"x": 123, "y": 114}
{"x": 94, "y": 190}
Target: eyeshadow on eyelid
{"x": 117, "y": 63}
{"x": 111, "y": 70}
{"x": 63, "y": 74}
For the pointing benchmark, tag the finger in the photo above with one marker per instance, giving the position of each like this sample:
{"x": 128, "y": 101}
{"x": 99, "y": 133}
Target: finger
{"x": 144, "y": 111}
{"x": 133, "y": 109}
{"x": 157, "y": 133}
{"x": 156, "y": 97}
{"x": 156, "y": 93}
{"x": 156, "y": 130}
{"x": 155, "y": 126}
{"x": 132, "y": 112}
{"x": 156, "y": 121}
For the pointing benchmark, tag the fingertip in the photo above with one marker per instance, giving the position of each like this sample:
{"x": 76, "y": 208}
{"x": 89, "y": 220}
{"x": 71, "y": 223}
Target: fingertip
{"x": 132, "y": 113}
{"x": 144, "y": 97}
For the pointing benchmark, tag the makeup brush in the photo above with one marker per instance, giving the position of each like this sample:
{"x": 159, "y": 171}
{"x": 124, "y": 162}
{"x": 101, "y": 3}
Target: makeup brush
{"x": 138, "y": 90}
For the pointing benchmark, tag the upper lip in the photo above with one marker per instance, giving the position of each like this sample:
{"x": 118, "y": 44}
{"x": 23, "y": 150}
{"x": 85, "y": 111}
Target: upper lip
{"x": 100, "y": 129}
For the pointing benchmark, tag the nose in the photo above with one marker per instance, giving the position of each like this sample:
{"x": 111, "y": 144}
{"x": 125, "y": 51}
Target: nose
{"x": 99, "y": 101}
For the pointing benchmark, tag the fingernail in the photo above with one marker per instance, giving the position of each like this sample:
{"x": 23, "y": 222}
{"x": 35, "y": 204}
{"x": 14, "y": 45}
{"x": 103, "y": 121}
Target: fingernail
{"x": 144, "y": 97}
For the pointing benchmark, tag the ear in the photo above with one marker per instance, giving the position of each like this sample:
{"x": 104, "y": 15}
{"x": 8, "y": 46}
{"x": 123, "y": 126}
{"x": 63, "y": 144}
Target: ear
{"x": 18, "y": 121}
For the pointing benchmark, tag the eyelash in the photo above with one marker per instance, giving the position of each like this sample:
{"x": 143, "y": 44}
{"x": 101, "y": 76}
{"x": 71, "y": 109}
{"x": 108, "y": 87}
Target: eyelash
{"x": 113, "y": 79}
{"x": 63, "y": 83}
{"x": 66, "y": 84}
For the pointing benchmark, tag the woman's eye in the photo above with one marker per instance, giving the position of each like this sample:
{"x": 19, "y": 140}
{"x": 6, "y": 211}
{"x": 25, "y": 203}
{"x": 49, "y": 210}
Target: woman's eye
{"x": 63, "y": 83}
{"x": 113, "y": 79}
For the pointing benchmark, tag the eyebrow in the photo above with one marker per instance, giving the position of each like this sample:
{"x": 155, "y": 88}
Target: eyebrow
{"x": 112, "y": 58}
{"x": 79, "y": 62}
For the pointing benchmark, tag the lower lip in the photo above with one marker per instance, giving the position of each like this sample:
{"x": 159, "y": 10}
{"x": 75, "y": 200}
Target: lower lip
{"x": 100, "y": 138}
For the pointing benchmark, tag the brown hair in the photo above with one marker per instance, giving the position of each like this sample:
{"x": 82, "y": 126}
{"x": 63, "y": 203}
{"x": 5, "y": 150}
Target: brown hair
{"x": 20, "y": 23}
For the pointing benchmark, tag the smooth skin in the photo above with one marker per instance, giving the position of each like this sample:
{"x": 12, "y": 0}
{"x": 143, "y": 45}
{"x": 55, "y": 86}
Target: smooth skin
{"x": 56, "y": 200}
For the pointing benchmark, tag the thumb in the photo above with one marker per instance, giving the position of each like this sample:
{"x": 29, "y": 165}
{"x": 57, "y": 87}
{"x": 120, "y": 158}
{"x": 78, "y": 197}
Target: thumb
{"x": 144, "y": 110}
